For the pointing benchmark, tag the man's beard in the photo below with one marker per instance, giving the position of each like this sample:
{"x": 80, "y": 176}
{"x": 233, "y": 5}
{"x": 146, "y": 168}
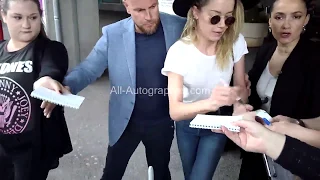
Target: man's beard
{"x": 148, "y": 31}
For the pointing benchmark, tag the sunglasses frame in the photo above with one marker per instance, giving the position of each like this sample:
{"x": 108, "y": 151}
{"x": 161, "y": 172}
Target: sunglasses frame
{"x": 228, "y": 21}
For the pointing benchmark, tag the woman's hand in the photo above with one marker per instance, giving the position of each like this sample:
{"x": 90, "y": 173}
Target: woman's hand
{"x": 248, "y": 116}
{"x": 281, "y": 124}
{"x": 248, "y": 84}
{"x": 251, "y": 136}
{"x": 254, "y": 137}
{"x": 52, "y": 84}
{"x": 239, "y": 108}
{"x": 281, "y": 118}
{"x": 282, "y": 127}
{"x": 49, "y": 83}
{"x": 222, "y": 96}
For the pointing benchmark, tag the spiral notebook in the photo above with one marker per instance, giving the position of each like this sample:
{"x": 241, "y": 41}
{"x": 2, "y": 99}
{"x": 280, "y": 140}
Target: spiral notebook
{"x": 203, "y": 121}
{"x": 66, "y": 100}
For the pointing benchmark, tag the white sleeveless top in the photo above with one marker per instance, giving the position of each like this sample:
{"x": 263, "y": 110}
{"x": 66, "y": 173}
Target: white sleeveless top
{"x": 265, "y": 87}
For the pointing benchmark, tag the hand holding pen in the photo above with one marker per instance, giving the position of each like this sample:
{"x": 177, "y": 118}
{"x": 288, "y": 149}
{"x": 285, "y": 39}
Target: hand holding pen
{"x": 239, "y": 107}
{"x": 222, "y": 95}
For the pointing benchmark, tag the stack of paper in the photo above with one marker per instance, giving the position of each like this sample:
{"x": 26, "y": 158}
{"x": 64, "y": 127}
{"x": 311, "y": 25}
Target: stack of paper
{"x": 215, "y": 122}
{"x": 66, "y": 100}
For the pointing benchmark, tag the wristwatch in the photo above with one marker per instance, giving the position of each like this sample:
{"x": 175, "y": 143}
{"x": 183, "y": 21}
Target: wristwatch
{"x": 300, "y": 122}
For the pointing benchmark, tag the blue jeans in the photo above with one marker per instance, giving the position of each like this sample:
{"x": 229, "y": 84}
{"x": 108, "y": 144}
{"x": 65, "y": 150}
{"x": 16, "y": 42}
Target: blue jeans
{"x": 200, "y": 151}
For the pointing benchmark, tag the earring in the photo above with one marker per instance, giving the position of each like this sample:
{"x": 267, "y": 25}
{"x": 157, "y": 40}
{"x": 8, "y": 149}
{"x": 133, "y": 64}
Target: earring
{"x": 303, "y": 28}
{"x": 270, "y": 29}
{"x": 194, "y": 22}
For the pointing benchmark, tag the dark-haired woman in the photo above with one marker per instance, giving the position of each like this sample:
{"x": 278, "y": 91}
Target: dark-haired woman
{"x": 284, "y": 81}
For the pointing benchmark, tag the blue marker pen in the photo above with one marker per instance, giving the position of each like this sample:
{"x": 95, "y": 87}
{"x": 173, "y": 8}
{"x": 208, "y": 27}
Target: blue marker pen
{"x": 264, "y": 116}
{"x": 266, "y": 121}
{"x": 262, "y": 121}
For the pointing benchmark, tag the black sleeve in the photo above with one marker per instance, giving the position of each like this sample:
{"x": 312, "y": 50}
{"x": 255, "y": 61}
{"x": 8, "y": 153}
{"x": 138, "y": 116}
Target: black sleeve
{"x": 315, "y": 77}
{"x": 55, "y": 61}
{"x": 300, "y": 158}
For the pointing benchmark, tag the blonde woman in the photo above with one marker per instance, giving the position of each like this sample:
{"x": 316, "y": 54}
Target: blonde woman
{"x": 199, "y": 68}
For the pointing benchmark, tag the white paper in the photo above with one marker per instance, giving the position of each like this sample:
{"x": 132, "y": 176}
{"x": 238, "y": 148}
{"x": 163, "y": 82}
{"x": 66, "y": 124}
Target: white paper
{"x": 203, "y": 121}
{"x": 67, "y": 100}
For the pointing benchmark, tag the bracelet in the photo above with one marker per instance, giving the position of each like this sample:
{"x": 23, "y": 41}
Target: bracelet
{"x": 300, "y": 122}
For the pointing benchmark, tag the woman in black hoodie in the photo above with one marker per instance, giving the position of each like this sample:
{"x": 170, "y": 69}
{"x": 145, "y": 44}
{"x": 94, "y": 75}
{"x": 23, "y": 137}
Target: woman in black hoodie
{"x": 30, "y": 143}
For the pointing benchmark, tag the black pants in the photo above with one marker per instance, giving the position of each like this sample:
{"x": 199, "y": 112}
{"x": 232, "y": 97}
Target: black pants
{"x": 157, "y": 141}
{"x": 22, "y": 165}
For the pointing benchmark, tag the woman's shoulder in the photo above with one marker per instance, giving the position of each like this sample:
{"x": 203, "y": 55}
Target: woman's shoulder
{"x": 239, "y": 40}
{"x": 47, "y": 45}
{"x": 182, "y": 43}
{"x": 43, "y": 42}
{"x": 310, "y": 51}
{"x": 307, "y": 49}
{"x": 309, "y": 45}
{"x": 180, "y": 46}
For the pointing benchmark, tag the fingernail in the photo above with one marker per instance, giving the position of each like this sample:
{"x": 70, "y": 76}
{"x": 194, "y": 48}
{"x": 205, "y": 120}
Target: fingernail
{"x": 259, "y": 120}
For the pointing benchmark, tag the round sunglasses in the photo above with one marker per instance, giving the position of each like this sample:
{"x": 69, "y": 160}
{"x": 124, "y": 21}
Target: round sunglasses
{"x": 228, "y": 21}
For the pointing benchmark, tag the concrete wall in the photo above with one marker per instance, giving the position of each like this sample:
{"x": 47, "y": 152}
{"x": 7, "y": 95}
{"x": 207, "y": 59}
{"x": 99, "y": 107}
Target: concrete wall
{"x": 88, "y": 24}
{"x": 108, "y": 17}
{"x": 79, "y": 25}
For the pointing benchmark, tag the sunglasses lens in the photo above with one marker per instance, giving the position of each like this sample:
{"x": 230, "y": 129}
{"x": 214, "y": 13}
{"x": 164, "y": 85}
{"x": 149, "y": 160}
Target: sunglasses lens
{"x": 229, "y": 21}
{"x": 215, "y": 20}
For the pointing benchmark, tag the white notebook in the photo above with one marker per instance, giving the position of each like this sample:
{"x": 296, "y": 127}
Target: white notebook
{"x": 66, "y": 100}
{"x": 203, "y": 121}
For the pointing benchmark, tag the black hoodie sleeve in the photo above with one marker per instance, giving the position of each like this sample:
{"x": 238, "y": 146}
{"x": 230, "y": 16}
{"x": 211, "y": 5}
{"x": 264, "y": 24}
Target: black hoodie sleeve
{"x": 55, "y": 61}
{"x": 300, "y": 158}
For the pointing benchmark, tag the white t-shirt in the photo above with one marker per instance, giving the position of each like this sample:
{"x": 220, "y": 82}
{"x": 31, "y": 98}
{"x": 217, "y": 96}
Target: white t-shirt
{"x": 265, "y": 87}
{"x": 200, "y": 72}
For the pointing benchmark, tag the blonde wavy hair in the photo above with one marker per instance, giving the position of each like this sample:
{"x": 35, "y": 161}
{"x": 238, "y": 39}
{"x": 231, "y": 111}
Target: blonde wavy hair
{"x": 224, "y": 48}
